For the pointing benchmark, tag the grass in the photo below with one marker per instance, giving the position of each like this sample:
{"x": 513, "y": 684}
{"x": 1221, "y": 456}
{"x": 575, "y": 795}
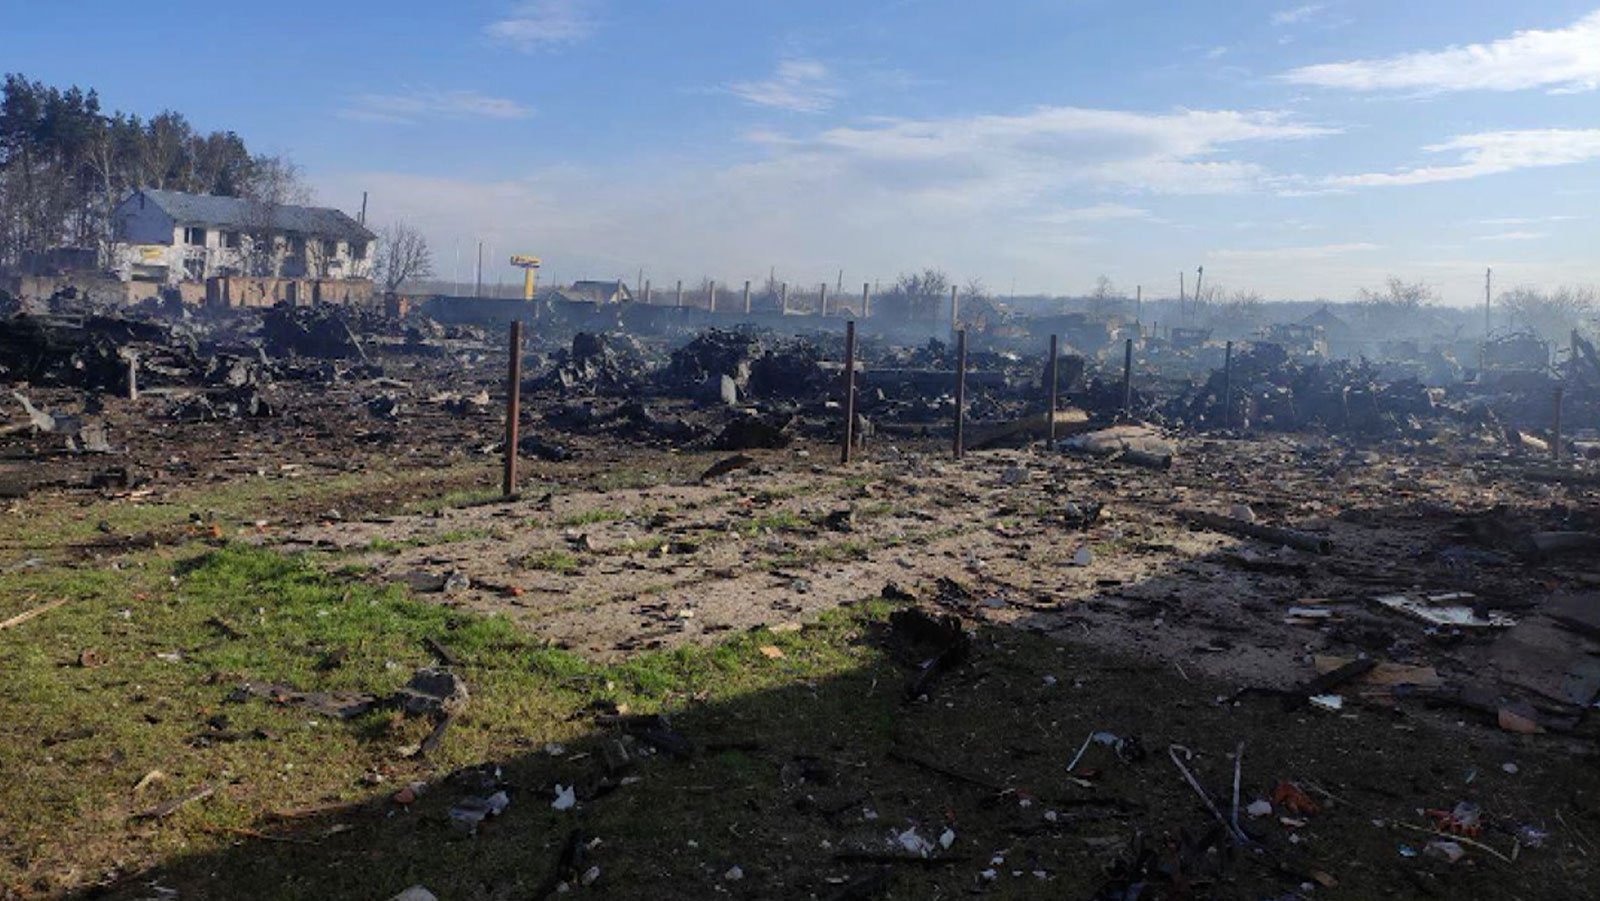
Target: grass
{"x": 796, "y": 748}
{"x": 554, "y": 560}
{"x": 152, "y": 706}
{"x": 589, "y": 517}
{"x": 798, "y": 756}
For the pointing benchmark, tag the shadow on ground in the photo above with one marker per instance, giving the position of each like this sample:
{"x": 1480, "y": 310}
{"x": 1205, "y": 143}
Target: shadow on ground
{"x": 826, "y": 787}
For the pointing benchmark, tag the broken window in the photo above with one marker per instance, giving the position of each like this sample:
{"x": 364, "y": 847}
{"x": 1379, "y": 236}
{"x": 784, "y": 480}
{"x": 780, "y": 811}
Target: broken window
{"x": 297, "y": 246}
{"x": 235, "y": 240}
{"x": 358, "y": 250}
{"x": 194, "y": 237}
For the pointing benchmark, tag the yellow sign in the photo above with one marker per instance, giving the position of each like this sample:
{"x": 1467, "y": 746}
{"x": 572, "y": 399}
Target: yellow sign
{"x": 525, "y": 262}
{"x": 149, "y": 253}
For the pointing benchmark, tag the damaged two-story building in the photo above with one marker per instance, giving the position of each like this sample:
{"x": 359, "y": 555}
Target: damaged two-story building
{"x": 238, "y": 251}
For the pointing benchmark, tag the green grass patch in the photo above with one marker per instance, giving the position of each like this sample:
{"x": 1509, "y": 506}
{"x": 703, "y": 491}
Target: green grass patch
{"x": 553, "y": 560}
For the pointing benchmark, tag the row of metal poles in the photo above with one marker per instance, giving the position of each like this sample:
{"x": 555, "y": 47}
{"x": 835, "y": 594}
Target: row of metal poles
{"x": 514, "y": 397}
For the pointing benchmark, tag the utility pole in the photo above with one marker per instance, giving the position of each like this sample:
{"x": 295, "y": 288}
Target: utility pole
{"x": 1199, "y": 274}
{"x": 1180, "y": 295}
{"x": 477, "y": 291}
{"x": 1138, "y": 308}
{"x": 838, "y": 288}
{"x": 1488, "y": 276}
{"x": 363, "y": 219}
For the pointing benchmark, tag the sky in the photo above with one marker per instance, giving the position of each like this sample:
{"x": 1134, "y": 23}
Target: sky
{"x": 1295, "y": 149}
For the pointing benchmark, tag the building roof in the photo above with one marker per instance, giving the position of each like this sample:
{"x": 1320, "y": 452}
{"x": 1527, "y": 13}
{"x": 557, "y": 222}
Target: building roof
{"x": 1325, "y": 318}
{"x": 244, "y": 215}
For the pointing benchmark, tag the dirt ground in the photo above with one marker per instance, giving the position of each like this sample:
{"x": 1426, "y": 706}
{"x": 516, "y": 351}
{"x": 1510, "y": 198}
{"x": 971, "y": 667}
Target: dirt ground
{"x": 1098, "y": 604}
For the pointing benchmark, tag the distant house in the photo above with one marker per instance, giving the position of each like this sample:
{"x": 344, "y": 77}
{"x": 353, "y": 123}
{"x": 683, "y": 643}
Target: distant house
{"x": 171, "y": 237}
{"x": 1332, "y": 326}
{"x": 599, "y": 292}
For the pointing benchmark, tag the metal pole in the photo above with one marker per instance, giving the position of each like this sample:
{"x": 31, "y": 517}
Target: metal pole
{"x": 649, "y": 291}
{"x": 1227, "y": 387}
{"x": 747, "y": 297}
{"x": 961, "y": 386}
{"x": 508, "y": 485}
{"x": 712, "y": 292}
{"x": 133, "y": 376}
{"x": 680, "y": 292}
{"x": 783, "y": 296}
{"x": 822, "y": 300}
{"x": 477, "y": 290}
{"x": 1555, "y": 430}
{"x": 1138, "y": 308}
{"x": 1483, "y": 349}
{"x": 1127, "y": 379}
{"x": 849, "y": 391}
{"x": 1055, "y": 386}
{"x": 953, "y": 310}
{"x": 866, "y": 299}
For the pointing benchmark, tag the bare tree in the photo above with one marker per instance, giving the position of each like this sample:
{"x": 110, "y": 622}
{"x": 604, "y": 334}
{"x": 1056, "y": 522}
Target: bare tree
{"x": 1551, "y": 316}
{"x": 1399, "y": 295}
{"x": 274, "y": 182}
{"x": 1106, "y": 299}
{"x": 403, "y": 255}
{"x": 916, "y": 296}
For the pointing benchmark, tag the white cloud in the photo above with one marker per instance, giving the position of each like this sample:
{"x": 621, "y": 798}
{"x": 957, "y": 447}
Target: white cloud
{"x": 798, "y": 85}
{"x": 417, "y": 106}
{"x": 1563, "y": 60}
{"x": 1217, "y": 52}
{"x": 1100, "y": 212}
{"x": 1298, "y": 14}
{"x": 991, "y": 159}
{"x": 1488, "y": 153}
{"x": 1511, "y": 236}
{"x": 997, "y": 196}
{"x": 1526, "y": 220}
{"x": 1315, "y": 252}
{"x": 539, "y": 24}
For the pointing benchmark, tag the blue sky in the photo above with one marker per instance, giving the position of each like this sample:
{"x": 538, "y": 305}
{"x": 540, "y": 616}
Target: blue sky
{"x": 1299, "y": 149}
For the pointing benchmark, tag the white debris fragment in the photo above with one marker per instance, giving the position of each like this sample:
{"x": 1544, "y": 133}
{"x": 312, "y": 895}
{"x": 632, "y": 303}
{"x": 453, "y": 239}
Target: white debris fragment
{"x": 566, "y": 798}
{"x": 734, "y": 874}
{"x": 914, "y": 843}
{"x": 947, "y": 838}
{"x": 1259, "y": 808}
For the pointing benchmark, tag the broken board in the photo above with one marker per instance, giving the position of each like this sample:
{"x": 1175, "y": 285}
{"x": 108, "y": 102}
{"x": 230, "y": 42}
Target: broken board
{"x": 1445, "y": 610}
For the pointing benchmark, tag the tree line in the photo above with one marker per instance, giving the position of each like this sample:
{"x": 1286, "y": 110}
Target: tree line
{"x": 65, "y": 163}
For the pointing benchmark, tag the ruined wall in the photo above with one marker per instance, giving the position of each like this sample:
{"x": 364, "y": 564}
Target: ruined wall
{"x": 250, "y": 291}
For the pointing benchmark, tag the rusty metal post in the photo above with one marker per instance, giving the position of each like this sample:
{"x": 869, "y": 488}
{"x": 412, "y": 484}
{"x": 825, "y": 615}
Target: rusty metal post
{"x": 866, "y": 299}
{"x": 747, "y": 297}
{"x": 1555, "y": 429}
{"x": 1227, "y": 387}
{"x": 1055, "y": 386}
{"x": 508, "y": 485}
{"x": 961, "y": 387}
{"x": 849, "y": 391}
{"x": 1127, "y": 379}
